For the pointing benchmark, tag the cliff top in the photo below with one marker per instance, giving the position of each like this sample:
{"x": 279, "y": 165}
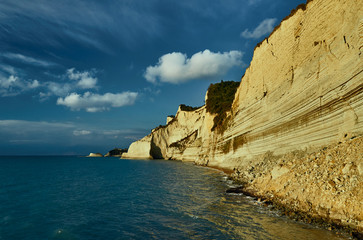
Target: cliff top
{"x": 292, "y": 13}
{"x": 220, "y": 97}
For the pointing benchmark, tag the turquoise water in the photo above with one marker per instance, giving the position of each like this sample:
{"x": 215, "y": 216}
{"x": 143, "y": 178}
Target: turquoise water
{"x": 109, "y": 198}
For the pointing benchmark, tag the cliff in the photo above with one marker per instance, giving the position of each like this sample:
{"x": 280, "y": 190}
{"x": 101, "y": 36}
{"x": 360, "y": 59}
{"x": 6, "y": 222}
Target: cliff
{"x": 180, "y": 139}
{"x": 293, "y": 134}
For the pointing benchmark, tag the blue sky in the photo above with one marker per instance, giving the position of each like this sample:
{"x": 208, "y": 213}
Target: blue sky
{"x": 87, "y": 76}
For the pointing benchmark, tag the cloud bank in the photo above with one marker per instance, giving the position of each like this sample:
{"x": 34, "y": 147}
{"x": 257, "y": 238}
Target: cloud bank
{"x": 176, "y": 67}
{"x": 21, "y": 128}
{"x": 97, "y": 103}
{"x": 37, "y": 137}
{"x": 264, "y": 28}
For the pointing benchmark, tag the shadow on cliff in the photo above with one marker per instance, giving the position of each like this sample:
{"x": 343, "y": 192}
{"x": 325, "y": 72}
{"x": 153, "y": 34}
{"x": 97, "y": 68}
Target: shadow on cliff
{"x": 155, "y": 151}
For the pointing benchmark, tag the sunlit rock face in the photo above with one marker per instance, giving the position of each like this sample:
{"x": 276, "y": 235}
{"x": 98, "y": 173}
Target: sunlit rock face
{"x": 303, "y": 91}
{"x": 303, "y": 88}
{"x": 139, "y": 149}
{"x": 180, "y": 139}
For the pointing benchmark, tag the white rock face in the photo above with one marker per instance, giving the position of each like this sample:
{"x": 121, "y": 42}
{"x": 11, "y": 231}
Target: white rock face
{"x": 169, "y": 119}
{"x": 180, "y": 139}
{"x": 303, "y": 89}
{"x": 139, "y": 149}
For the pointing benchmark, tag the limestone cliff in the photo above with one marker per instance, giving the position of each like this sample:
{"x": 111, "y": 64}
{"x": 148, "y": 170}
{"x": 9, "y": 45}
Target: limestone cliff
{"x": 303, "y": 91}
{"x": 180, "y": 139}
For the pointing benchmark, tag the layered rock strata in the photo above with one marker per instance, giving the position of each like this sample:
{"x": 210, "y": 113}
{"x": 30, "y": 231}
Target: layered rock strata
{"x": 303, "y": 91}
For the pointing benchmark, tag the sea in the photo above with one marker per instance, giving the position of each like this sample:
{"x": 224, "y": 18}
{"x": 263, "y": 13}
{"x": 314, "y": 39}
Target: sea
{"x": 70, "y": 197}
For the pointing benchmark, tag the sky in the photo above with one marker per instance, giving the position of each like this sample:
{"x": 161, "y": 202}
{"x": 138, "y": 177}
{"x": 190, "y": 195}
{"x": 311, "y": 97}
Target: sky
{"x": 87, "y": 76}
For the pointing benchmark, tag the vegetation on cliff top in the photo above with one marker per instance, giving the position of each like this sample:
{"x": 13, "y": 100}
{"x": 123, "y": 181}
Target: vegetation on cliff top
{"x": 187, "y": 108}
{"x": 220, "y": 97}
{"x": 116, "y": 152}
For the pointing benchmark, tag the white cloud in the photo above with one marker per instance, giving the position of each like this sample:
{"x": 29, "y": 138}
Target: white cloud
{"x": 81, "y": 132}
{"x": 8, "y": 69}
{"x": 28, "y": 60}
{"x": 13, "y": 85}
{"x": 95, "y": 102}
{"x": 85, "y": 79}
{"x": 265, "y": 27}
{"x": 8, "y": 82}
{"x": 58, "y": 89}
{"x": 74, "y": 80}
{"x": 177, "y": 68}
{"x": 33, "y": 84}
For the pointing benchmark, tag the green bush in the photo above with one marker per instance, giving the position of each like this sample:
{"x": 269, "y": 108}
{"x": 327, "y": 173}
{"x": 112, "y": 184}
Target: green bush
{"x": 186, "y": 108}
{"x": 219, "y": 101}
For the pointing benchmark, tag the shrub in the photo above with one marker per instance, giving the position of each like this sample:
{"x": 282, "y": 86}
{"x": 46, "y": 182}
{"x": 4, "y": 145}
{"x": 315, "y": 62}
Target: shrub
{"x": 186, "y": 108}
{"x": 219, "y": 101}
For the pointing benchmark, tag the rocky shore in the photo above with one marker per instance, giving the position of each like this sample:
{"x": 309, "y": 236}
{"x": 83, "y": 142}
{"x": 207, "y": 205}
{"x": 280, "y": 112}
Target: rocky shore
{"x": 325, "y": 186}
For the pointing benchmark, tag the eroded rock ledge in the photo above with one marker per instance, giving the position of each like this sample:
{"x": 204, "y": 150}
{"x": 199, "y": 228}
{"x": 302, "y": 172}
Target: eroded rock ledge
{"x": 294, "y": 132}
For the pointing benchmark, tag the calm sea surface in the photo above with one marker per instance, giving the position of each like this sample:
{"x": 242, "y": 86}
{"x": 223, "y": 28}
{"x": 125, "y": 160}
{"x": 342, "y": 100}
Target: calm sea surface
{"x": 109, "y": 198}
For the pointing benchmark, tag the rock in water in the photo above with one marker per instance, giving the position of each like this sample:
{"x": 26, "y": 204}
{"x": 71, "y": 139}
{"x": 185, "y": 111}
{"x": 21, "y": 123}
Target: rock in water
{"x": 116, "y": 152}
{"x": 95, "y": 155}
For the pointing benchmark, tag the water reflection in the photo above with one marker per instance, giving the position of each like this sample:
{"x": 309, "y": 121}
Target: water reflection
{"x": 233, "y": 216}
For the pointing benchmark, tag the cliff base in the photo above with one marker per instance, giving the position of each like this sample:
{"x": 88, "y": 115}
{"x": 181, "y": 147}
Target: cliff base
{"x": 325, "y": 186}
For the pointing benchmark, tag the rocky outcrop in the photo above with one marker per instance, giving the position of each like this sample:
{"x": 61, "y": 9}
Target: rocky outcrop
{"x": 95, "y": 155}
{"x": 116, "y": 152}
{"x": 303, "y": 91}
{"x": 326, "y": 184}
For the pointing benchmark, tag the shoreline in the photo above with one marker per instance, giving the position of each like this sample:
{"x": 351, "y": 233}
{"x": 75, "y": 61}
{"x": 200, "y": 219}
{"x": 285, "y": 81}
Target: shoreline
{"x": 247, "y": 177}
{"x": 265, "y": 185}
